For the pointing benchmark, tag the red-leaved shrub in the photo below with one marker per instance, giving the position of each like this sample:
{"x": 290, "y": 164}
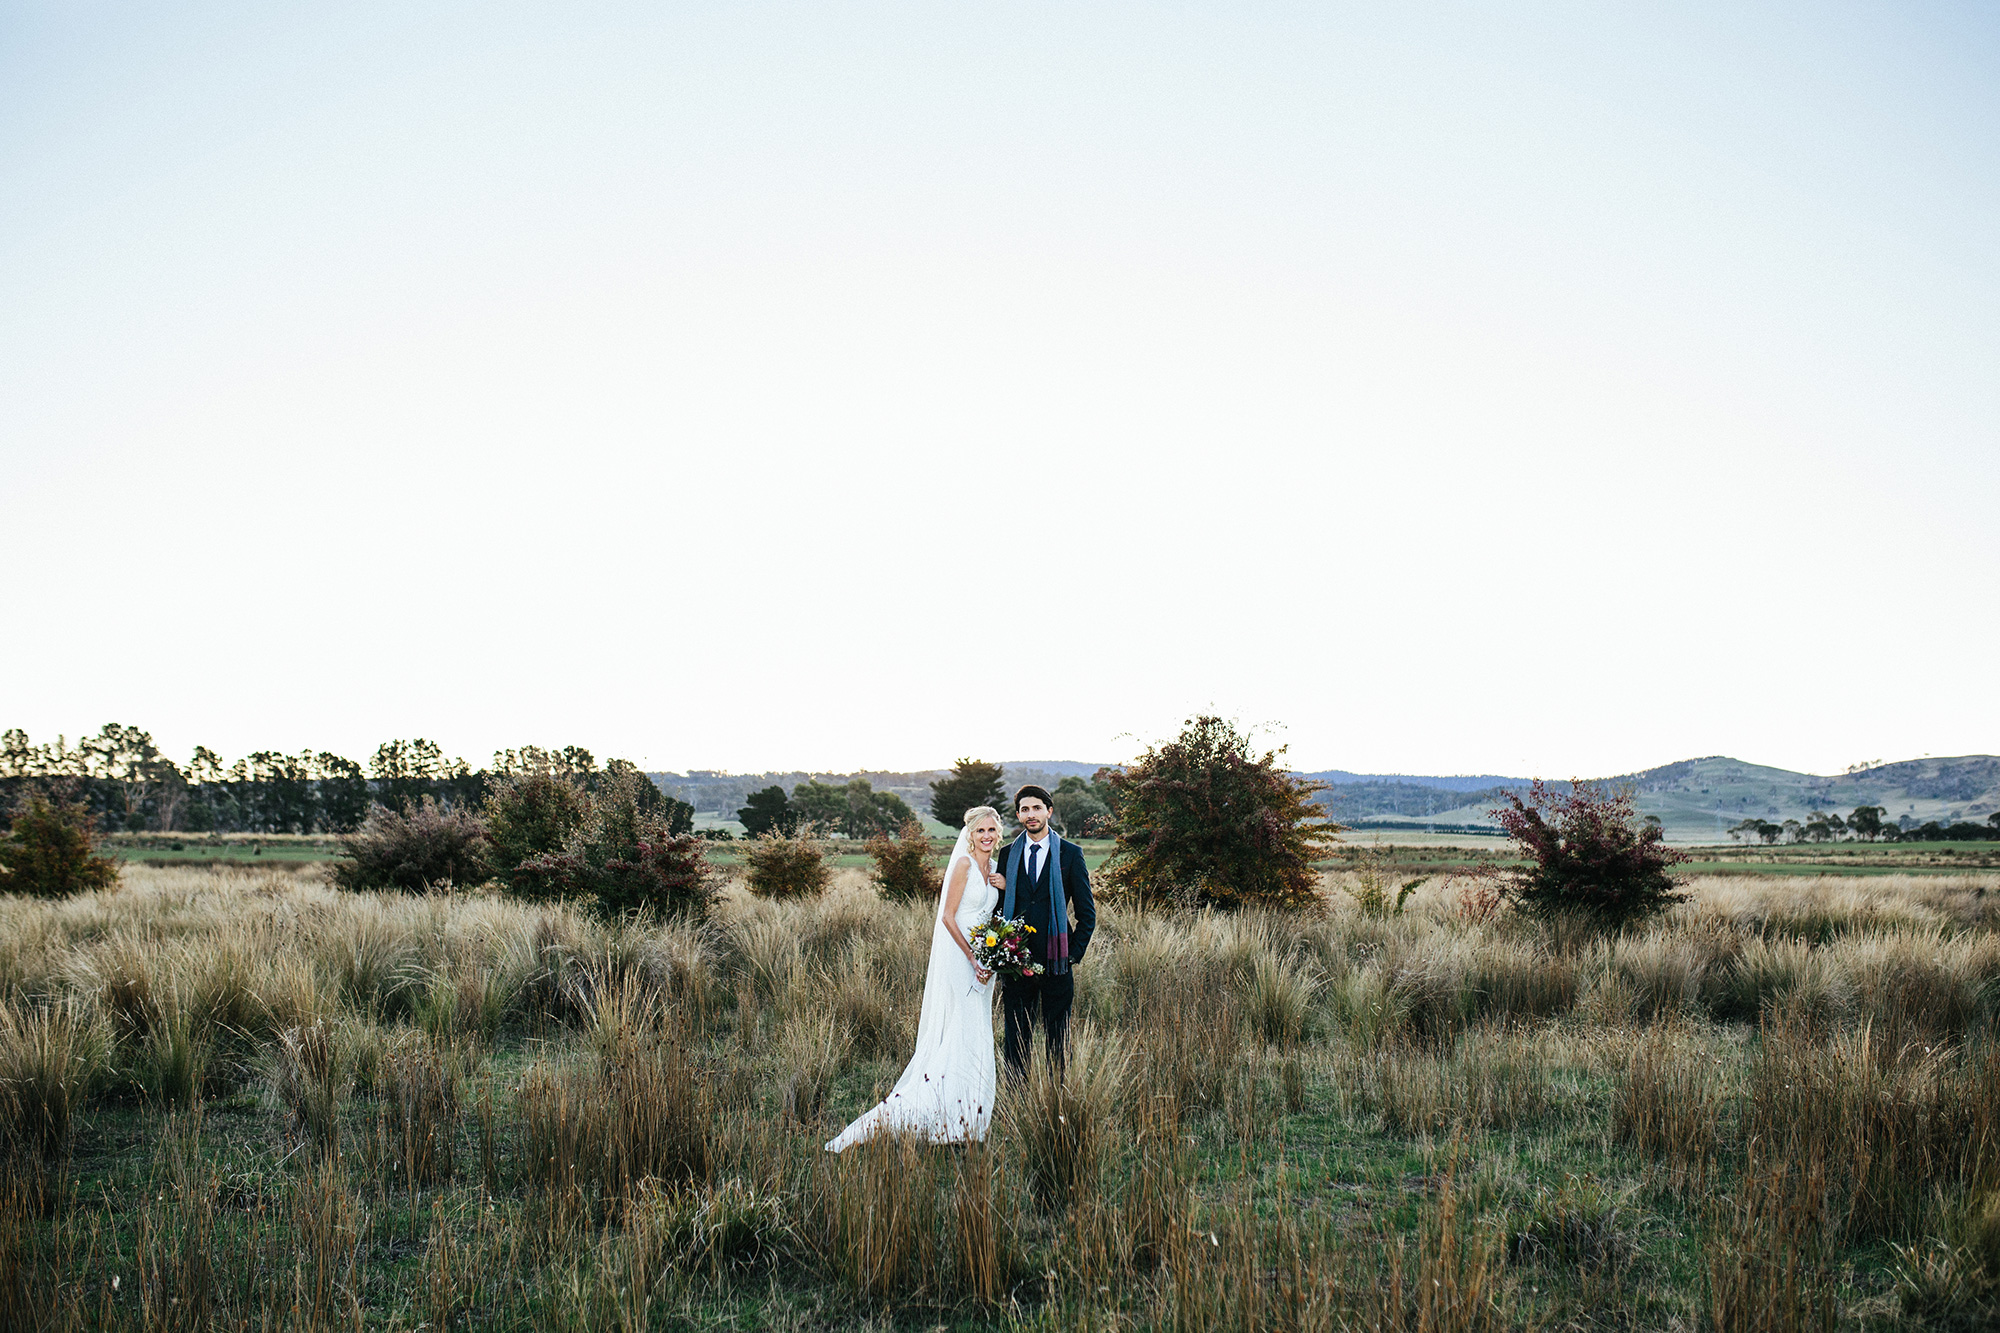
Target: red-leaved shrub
{"x": 1588, "y": 856}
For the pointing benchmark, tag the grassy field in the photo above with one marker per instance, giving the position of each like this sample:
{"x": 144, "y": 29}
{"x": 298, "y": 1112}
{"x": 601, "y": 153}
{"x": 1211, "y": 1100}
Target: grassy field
{"x": 1866, "y": 858}
{"x": 219, "y": 849}
{"x": 234, "y": 1098}
{"x": 1401, "y": 854}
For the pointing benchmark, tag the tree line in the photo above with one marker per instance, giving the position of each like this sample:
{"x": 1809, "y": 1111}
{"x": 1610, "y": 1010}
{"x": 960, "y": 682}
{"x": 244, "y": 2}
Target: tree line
{"x": 127, "y": 785}
{"x": 1201, "y": 821}
{"x": 1868, "y": 823}
{"x": 825, "y": 810}
{"x": 857, "y": 810}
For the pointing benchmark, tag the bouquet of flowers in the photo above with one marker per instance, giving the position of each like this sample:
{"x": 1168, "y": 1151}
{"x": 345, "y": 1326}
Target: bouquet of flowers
{"x": 1001, "y": 946}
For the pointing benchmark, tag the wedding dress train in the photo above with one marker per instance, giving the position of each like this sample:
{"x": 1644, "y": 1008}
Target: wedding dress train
{"x": 946, "y": 1093}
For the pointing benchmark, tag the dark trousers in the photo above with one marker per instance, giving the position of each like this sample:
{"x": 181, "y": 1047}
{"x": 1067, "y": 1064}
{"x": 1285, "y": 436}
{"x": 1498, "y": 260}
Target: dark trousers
{"x": 1023, "y": 1000}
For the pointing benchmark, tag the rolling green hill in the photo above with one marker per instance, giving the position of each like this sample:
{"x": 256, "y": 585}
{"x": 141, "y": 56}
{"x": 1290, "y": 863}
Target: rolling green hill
{"x": 1700, "y": 799}
{"x": 1697, "y": 799}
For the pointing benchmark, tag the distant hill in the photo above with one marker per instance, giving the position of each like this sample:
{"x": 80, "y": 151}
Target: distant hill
{"x": 1701, "y": 799}
{"x": 1402, "y": 799}
{"x": 1697, "y": 799}
{"x": 1340, "y": 777}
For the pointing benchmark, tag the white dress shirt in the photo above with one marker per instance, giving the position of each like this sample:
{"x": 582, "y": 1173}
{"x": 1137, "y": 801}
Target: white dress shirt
{"x": 1036, "y": 848}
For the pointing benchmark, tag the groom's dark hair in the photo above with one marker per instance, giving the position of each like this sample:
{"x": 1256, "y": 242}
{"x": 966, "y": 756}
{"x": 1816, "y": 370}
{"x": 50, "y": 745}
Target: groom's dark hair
{"x": 1039, "y": 793}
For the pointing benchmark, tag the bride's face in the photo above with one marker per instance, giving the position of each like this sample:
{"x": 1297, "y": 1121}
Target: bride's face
{"x": 985, "y": 836}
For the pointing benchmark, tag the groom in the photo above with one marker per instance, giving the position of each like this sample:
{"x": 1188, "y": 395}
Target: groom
{"x": 1042, "y": 876}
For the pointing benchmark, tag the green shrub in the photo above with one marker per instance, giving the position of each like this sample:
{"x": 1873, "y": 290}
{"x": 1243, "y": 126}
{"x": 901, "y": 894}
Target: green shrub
{"x": 1082, "y": 808}
{"x": 422, "y": 847}
{"x": 52, "y": 851}
{"x": 904, "y": 869}
{"x": 624, "y": 857}
{"x": 530, "y": 815}
{"x": 1204, "y": 822}
{"x": 786, "y": 868}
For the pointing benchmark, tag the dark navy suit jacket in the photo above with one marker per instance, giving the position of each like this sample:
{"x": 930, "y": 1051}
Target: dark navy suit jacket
{"x": 1031, "y": 901}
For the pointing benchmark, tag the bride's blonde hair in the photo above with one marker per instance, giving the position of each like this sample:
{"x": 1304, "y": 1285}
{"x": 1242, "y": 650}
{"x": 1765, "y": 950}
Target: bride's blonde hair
{"x": 979, "y": 812}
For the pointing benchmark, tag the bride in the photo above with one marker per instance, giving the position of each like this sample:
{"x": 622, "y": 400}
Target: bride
{"x": 946, "y": 1093}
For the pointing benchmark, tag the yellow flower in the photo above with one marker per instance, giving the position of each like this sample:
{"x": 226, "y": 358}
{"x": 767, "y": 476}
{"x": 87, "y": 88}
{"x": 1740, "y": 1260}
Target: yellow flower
{"x": 1029, "y": 929}
{"x": 991, "y": 939}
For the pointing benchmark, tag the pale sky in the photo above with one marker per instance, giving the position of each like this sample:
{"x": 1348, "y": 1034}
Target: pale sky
{"x": 1528, "y": 389}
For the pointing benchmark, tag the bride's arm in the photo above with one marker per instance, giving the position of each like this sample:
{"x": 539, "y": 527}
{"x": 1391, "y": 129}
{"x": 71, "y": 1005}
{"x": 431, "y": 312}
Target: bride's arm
{"x": 954, "y": 890}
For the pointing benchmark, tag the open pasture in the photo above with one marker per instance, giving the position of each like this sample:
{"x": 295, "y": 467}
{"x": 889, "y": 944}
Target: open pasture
{"x": 240, "y": 1099}
{"x": 1400, "y": 853}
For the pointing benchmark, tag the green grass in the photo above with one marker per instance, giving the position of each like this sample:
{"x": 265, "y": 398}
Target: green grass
{"x": 165, "y": 849}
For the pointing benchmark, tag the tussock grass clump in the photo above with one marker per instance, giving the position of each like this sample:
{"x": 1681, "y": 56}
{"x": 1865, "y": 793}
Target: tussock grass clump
{"x": 811, "y": 1049}
{"x": 880, "y": 1224}
{"x": 1278, "y": 999}
{"x": 1791, "y": 971}
{"x": 1921, "y": 985}
{"x": 1765, "y": 1254}
{"x": 1188, "y": 1049}
{"x": 900, "y": 1223}
{"x": 1158, "y": 1202}
{"x": 1444, "y": 1279}
{"x": 1577, "y": 1225}
{"x": 597, "y": 1126}
{"x": 860, "y": 1006}
{"x": 51, "y": 1056}
{"x": 1490, "y": 1078}
{"x": 376, "y": 964}
{"x": 1432, "y": 985}
{"x": 420, "y": 1085}
{"x": 770, "y": 955}
{"x": 174, "y": 1245}
{"x": 1660, "y": 972}
{"x": 1671, "y": 1102}
{"x": 1951, "y": 1279}
{"x": 731, "y": 1225}
{"x": 308, "y": 1077}
{"x": 325, "y": 1224}
{"x": 1883, "y": 1128}
{"x": 1062, "y": 1121}
{"x": 1515, "y": 978}
{"x": 170, "y": 1063}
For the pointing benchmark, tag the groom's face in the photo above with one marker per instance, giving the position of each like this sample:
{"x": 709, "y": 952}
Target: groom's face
{"x": 1033, "y": 815}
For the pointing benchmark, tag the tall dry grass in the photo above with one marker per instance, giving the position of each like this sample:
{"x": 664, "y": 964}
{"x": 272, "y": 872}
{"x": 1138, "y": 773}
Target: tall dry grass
{"x": 485, "y": 1113}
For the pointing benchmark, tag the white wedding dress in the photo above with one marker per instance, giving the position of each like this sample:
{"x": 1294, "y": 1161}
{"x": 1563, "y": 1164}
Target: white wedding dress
{"x": 946, "y": 1093}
